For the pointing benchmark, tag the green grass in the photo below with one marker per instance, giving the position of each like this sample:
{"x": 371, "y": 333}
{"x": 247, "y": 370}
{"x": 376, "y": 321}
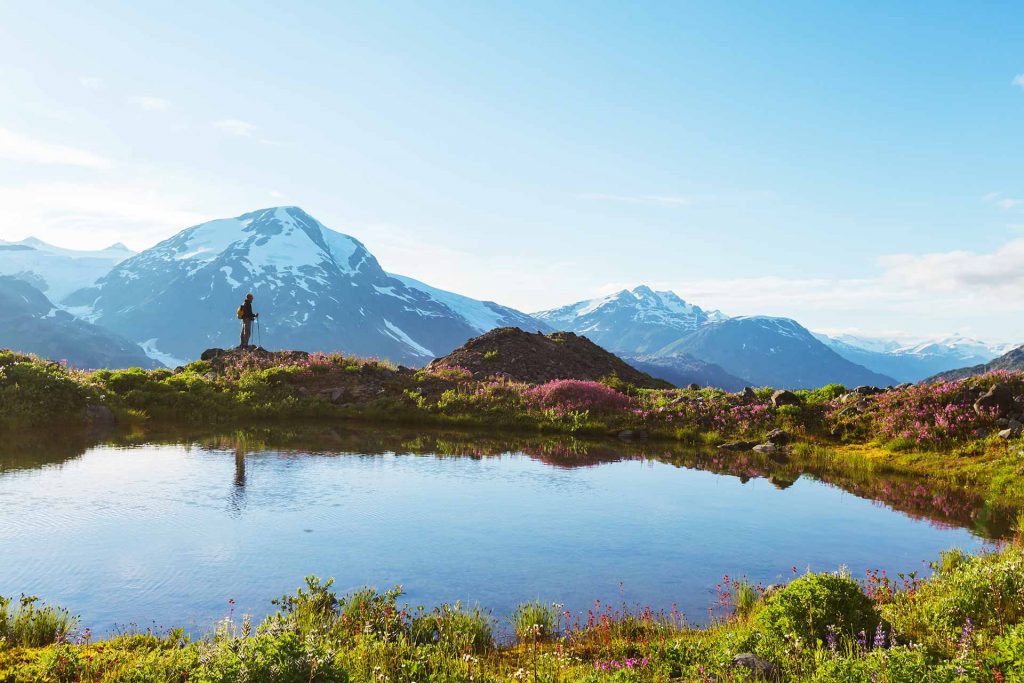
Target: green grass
{"x": 964, "y": 623}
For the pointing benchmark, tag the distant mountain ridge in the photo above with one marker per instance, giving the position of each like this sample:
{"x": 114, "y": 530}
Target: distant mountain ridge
{"x": 776, "y": 352}
{"x": 29, "y": 322}
{"x": 1011, "y": 361}
{"x": 56, "y": 271}
{"x": 911, "y": 362}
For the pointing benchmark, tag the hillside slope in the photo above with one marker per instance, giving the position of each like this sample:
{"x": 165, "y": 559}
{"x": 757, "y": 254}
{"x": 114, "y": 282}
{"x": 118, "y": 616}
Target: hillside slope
{"x": 1012, "y": 361}
{"x": 30, "y": 323}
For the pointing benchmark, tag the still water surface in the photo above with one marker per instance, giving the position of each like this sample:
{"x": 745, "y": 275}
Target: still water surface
{"x": 165, "y": 534}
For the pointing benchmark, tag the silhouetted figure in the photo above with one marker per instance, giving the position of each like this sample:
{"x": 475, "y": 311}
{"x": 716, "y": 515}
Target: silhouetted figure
{"x": 247, "y": 316}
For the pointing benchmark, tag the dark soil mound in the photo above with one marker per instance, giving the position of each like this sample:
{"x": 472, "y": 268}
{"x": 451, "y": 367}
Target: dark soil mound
{"x": 1012, "y": 361}
{"x": 536, "y": 358}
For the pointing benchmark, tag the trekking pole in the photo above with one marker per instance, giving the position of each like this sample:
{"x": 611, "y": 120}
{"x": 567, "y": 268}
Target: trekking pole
{"x": 259, "y": 337}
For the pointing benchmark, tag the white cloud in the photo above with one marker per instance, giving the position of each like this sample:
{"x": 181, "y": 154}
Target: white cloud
{"x": 22, "y": 148}
{"x": 237, "y": 127}
{"x": 1018, "y": 80}
{"x": 84, "y": 215}
{"x": 91, "y": 82}
{"x": 1002, "y": 202}
{"x": 149, "y": 103}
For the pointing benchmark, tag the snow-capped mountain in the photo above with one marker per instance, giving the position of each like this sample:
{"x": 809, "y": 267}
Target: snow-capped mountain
{"x": 56, "y": 271}
{"x": 315, "y": 289}
{"x": 912, "y": 361}
{"x": 30, "y": 323}
{"x": 769, "y": 351}
{"x": 635, "y": 321}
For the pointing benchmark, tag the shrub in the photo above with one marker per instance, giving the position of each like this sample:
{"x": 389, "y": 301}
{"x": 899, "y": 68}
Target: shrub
{"x": 453, "y": 628}
{"x": 570, "y": 395}
{"x": 34, "y": 391}
{"x": 32, "y": 625}
{"x": 535, "y": 621}
{"x": 987, "y": 589}
{"x": 815, "y": 606}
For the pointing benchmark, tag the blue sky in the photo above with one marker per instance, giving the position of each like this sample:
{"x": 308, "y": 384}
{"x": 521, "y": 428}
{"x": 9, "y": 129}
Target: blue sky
{"x": 854, "y": 167}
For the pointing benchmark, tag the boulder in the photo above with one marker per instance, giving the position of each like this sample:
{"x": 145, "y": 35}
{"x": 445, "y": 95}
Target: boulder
{"x": 693, "y": 386}
{"x": 785, "y": 397}
{"x": 1009, "y": 433}
{"x": 867, "y": 391}
{"x": 210, "y": 354}
{"x": 748, "y": 394}
{"x": 333, "y": 394}
{"x": 758, "y": 667}
{"x": 779, "y": 437}
{"x": 737, "y": 446}
{"x": 766, "y": 448}
{"x": 998, "y": 400}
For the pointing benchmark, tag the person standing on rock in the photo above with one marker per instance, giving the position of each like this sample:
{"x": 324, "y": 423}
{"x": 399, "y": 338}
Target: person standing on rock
{"x": 246, "y": 315}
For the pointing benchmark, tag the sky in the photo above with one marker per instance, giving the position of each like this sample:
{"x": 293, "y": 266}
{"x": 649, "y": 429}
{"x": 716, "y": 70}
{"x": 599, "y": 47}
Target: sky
{"x": 855, "y": 166}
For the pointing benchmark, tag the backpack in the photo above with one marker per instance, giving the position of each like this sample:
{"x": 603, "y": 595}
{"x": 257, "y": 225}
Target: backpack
{"x": 240, "y": 312}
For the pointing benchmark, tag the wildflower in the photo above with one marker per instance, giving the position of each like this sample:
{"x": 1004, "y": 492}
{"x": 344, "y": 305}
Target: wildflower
{"x": 880, "y": 640}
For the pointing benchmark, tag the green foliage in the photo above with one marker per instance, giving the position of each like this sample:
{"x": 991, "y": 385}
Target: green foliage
{"x": 620, "y": 385}
{"x": 746, "y": 597}
{"x": 31, "y": 624}
{"x": 823, "y": 395}
{"x": 812, "y": 606}
{"x": 33, "y": 391}
{"x": 535, "y": 621}
{"x": 490, "y": 355}
{"x": 453, "y": 628}
{"x": 987, "y": 589}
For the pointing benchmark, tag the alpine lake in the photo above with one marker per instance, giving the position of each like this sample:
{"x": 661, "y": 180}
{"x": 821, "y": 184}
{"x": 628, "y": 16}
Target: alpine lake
{"x": 165, "y": 530}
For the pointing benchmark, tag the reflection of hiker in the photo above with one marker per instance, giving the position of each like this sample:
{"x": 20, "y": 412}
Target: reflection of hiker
{"x": 246, "y": 315}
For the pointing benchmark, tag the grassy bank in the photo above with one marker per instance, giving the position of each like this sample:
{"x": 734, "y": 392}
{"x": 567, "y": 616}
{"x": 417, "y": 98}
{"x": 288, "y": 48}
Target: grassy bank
{"x": 961, "y": 624}
{"x": 932, "y": 430}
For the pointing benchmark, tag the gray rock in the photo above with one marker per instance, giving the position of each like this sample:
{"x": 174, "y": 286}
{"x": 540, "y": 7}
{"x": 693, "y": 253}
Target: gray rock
{"x": 748, "y": 394}
{"x": 1014, "y": 424}
{"x": 334, "y": 394}
{"x": 759, "y": 667}
{"x": 210, "y": 354}
{"x": 785, "y": 397}
{"x": 768, "y": 448}
{"x": 693, "y": 386}
{"x": 779, "y": 437}
{"x": 998, "y": 399}
{"x": 1002, "y": 422}
{"x": 867, "y": 391}
{"x": 1009, "y": 433}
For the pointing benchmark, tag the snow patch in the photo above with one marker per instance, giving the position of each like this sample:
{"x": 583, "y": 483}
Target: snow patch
{"x": 150, "y": 349}
{"x": 396, "y": 333}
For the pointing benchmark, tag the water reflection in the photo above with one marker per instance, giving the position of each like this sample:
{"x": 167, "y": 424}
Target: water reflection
{"x": 170, "y": 526}
{"x": 920, "y": 498}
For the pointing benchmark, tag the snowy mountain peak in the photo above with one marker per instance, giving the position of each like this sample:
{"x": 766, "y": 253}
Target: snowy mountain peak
{"x": 315, "y": 289}
{"x": 638, "y": 320}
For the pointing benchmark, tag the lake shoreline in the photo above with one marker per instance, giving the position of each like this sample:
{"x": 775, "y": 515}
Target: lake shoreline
{"x": 820, "y": 627}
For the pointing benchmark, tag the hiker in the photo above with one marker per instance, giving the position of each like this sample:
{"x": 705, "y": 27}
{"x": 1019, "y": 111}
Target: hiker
{"x": 246, "y": 315}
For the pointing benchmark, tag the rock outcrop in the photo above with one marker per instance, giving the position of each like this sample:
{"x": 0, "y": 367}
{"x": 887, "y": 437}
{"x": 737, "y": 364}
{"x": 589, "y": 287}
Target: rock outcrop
{"x": 512, "y": 353}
